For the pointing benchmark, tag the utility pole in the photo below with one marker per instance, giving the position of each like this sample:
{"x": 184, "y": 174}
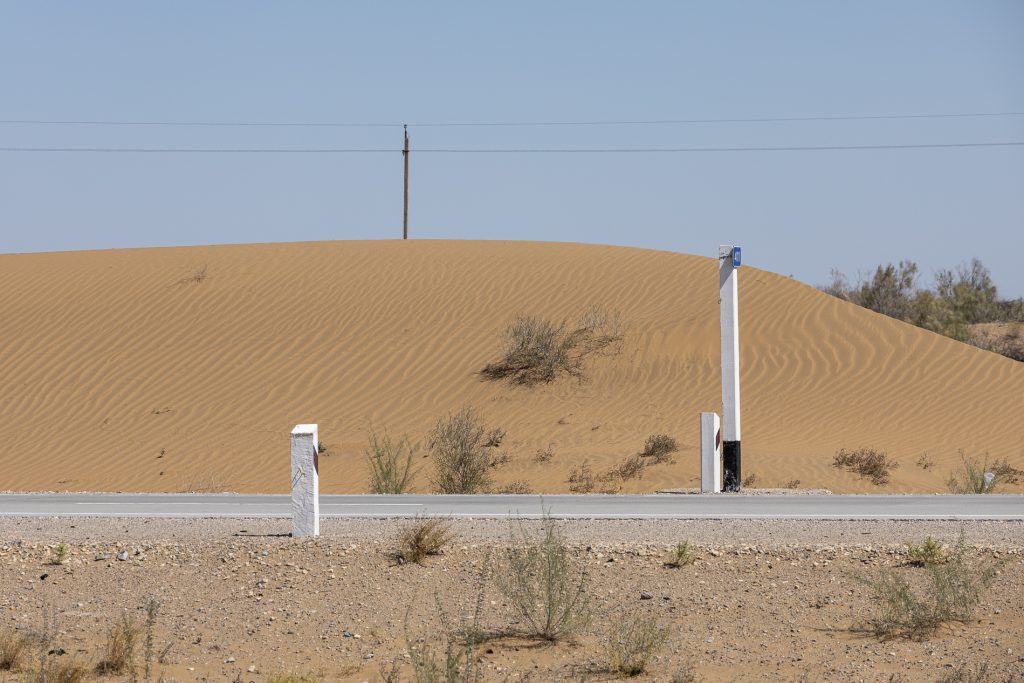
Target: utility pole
{"x": 728, "y": 264}
{"x": 405, "y": 203}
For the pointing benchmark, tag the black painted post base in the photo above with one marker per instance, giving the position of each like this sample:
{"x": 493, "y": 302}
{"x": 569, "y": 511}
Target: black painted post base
{"x": 731, "y": 476}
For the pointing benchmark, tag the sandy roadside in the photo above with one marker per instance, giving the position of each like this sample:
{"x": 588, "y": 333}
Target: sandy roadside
{"x": 241, "y": 600}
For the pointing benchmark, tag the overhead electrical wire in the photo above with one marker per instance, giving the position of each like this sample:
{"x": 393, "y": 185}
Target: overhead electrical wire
{"x": 536, "y": 150}
{"x": 653, "y": 122}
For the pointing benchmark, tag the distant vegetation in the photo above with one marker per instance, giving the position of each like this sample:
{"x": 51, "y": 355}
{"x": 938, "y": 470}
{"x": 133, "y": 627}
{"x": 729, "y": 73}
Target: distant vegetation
{"x": 963, "y": 305}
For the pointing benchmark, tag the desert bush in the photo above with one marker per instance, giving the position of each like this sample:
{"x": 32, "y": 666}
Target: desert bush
{"x": 517, "y": 487}
{"x": 59, "y": 554}
{"x": 867, "y": 463}
{"x": 971, "y": 478}
{"x": 581, "y": 478}
{"x": 632, "y": 641}
{"x": 423, "y": 537}
{"x": 983, "y": 673}
{"x": 950, "y": 593}
{"x": 629, "y": 468}
{"x": 927, "y": 552}
{"x": 1006, "y": 473}
{"x": 12, "y": 646}
{"x": 498, "y": 459}
{"x": 119, "y": 649}
{"x": 152, "y": 608}
{"x": 544, "y": 584}
{"x": 537, "y": 350}
{"x": 390, "y": 463}
{"x": 460, "y": 458}
{"x": 684, "y": 673}
{"x": 494, "y": 438}
{"x": 682, "y": 555}
{"x": 793, "y": 483}
{"x": 970, "y": 292}
{"x": 659, "y": 447}
{"x": 62, "y": 670}
{"x": 749, "y": 480}
{"x": 924, "y": 461}
{"x": 544, "y": 454}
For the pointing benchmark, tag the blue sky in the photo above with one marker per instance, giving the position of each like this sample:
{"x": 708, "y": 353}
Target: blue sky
{"x": 797, "y": 213}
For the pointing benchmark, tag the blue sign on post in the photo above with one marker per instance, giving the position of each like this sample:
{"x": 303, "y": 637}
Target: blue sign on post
{"x": 735, "y": 257}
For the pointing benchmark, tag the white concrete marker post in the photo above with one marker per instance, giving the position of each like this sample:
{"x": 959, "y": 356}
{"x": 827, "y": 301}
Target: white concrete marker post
{"x": 305, "y": 481}
{"x": 728, "y": 264}
{"x": 710, "y": 453}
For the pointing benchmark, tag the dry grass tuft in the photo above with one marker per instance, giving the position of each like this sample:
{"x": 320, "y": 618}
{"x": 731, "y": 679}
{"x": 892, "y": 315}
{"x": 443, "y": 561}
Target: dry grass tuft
{"x": 12, "y": 646}
{"x": 64, "y": 670}
{"x": 632, "y": 641}
{"x": 538, "y": 350}
{"x": 422, "y": 538}
{"x": 867, "y": 463}
{"x": 983, "y": 673}
{"x": 581, "y": 478}
{"x": 119, "y": 650}
{"x": 518, "y": 487}
{"x": 294, "y": 678}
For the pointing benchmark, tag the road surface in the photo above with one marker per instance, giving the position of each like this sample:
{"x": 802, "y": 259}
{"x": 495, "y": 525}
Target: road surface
{"x": 666, "y": 506}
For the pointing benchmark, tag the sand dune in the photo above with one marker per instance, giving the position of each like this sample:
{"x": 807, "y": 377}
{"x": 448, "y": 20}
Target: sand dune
{"x": 167, "y": 369}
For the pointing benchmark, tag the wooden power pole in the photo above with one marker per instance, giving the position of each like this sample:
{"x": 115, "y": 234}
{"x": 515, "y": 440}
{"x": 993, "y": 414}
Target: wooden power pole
{"x": 405, "y": 202}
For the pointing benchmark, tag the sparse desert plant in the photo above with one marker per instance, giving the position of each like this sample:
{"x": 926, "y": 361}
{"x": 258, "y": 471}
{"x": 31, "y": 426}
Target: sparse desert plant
{"x": 12, "y": 646}
{"x": 517, "y": 487}
{"x": 683, "y": 555}
{"x": 684, "y": 673}
{"x": 293, "y": 678}
{"x": 950, "y": 593}
{"x": 458, "y": 662}
{"x": 544, "y": 584}
{"x": 632, "y": 641}
{"x": 975, "y": 477}
{"x": 63, "y": 670}
{"x": 461, "y": 461}
{"x": 321, "y": 448}
{"x": 59, "y": 554}
{"x": 119, "y": 649}
{"x": 793, "y": 483}
{"x": 152, "y": 607}
{"x": 749, "y": 481}
{"x": 423, "y": 537}
{"x": 924, "y": 461}
{"x": 494, "y": 438}
{"x": 537, "y": 350}
{"x": 927, "y": 552}
{"x": 498, "y": 459}
{"x": 983, "y": 673}
{"x": 544, "y": 454}
{"x": 390, "y": 463}
{"x": 581, "y": 478}
{"x": 659, "y": 447}
{"x": 866, "y": 462}
{"x": 631, "y": 467}
{"x": 1007, "y": 473}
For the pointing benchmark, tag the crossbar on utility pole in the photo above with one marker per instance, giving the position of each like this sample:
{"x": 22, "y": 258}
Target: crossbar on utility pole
{"x": 405, "y": 202}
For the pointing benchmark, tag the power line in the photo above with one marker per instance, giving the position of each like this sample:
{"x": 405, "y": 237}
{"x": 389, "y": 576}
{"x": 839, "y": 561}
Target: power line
{"x": 607, "y": 150}
{"x": 653, "y": 122}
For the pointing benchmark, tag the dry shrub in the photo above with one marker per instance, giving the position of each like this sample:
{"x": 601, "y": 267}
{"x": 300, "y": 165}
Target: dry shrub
{"x": 494, "y": 438}
{"x": 119, "y": 650}
{"x": 749, "y": 480}
{"x": 793, "y": 483}
{"x": 972, "y": 475}
{"x": 581, "y": 478}
{"x": 925, "y": 462}
{"x": 927, "y": 552}
{"x": 950, "y": 593}
{"x": 632, "y": 641}
{"x": 499, "y": 459}
{"x": 293, "y": 678}
{"x": 867, "y": 463}
{"x": 544, "y": 454}
{"x": 683, "y": 555}
{"x": 391, "y": 464}
{"x": 659, "y": 447}
{"x": 545, "y": 584}
{"x": 629, "y": 468}
{"x": 983, "y": 673}
{"x": 12, "y": 646}
{"x": 421, "y": 538}
{"x": 537, "y": 350}
{"x": 517, "y": 487}
{"x": 64, "y": 670}
{"x": 460, "y": 457}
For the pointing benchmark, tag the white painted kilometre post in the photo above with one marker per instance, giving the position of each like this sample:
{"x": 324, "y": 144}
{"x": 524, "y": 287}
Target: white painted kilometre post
{"x": 728, "y": 263}
{"x": 710, "y": 453}
{"x": 305, "y": 481}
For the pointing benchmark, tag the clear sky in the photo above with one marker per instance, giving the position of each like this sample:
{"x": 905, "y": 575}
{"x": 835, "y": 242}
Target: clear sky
{"x": 797, "y": 213}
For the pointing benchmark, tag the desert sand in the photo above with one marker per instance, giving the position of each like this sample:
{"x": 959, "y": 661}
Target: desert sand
{"x": 185, "y": 368}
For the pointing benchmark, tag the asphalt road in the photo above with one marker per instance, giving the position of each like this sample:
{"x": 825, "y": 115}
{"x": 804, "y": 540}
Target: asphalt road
{"x": 666, "y": 506}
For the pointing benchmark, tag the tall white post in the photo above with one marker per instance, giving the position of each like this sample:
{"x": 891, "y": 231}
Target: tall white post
{"x": 728, "y": 263}
{"x": 710, "y": 453}
{"x": 305, "y": 481}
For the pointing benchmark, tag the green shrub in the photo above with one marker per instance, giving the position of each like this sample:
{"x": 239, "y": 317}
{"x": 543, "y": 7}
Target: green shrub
{"x": 950, "y": 593}
{"x": 390, "y": 463}
{"x": 544, "y": 584}
{"x": 927, "y": 552}
{"x": 632, "y": 641}
{"x": 683, "y": 555}
{"x": 972, "y": 475}
{"x": 461, "y": 459}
